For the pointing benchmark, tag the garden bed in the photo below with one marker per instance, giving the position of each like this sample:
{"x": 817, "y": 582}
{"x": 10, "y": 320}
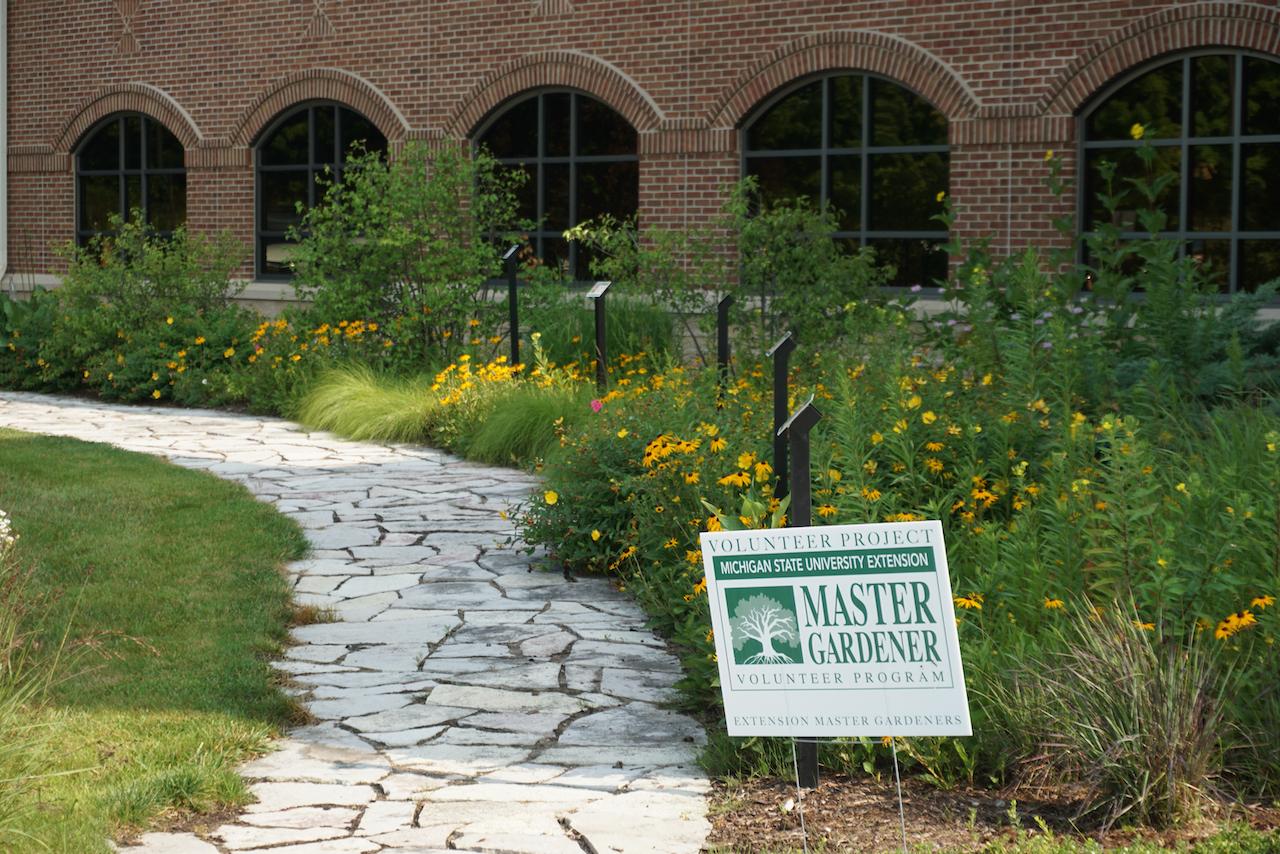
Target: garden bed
{"x": 861, "y": 814}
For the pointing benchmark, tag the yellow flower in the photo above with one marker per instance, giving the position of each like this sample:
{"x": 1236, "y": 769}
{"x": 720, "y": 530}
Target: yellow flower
{"x": 914, "y": 402}
{"x": 876, "y": 438}
{"x": 624, "y": 433}
{"x": 1182, "y": 487}
{"x": 86, "y": 375}
{"x": 1146, "y": 627}
{"x": 550, "y": 497}
{"x": 826, "y": 510}
{"x": 928, "y": 417}
{"x": 670, "y": 544}
{"x": 972, "y": 602}
{"x": 1053, "y": 604}
{"x": 1137, "y": 131}
{"x": 739, "y": 479}
{"x": 229, "y": 352}
{"x": 835, "y": 475}
{"x": 295, "y": 357}
{"x": 1048, "y": 155}
{"x": 1261, "y": 602}
{"x": 763, "y": 470}
{"x": 713, "y": 524}
{"x": 156, "y": 394}
{"x": 595, "y": 536}
{"x": 169, "y": 321}
{"x": 942, "y": 194}
{"x": 691, "y": 477}
{"x": 154, "y": 375}
{"x": 199, "y": 340}
{"x": 473, "y": 322}
{"x": 746, "y": 460}
{"x": 934, "y": 447}
{"x": 718, "y": 445}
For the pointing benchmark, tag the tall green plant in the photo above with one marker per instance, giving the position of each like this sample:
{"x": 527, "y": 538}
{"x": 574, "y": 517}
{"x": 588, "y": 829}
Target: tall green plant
{"x": 143, "y": 276}
{"x": 411, "y": 243}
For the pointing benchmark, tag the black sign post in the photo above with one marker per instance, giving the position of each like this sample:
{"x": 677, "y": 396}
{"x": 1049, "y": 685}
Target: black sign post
{"x": 796, "y": 433}
{"x": 781, "y": 354}
{"x": 597, "y": 294}
{"x": 513, "y": 307}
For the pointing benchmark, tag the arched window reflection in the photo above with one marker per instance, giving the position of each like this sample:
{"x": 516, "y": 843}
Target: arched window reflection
{"x": 871, "y": 149}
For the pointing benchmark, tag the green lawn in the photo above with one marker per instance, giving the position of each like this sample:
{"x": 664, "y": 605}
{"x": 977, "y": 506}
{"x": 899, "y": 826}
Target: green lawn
{"x": 168, "y": 585}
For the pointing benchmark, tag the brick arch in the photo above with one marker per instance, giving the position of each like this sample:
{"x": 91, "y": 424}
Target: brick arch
{"x": 1247, "y": 26}
{"x": 128, "y": 98}
{"x": 565, "y": 68}
{"x": 321, "y": 84}
{"x": 860, "y": 50}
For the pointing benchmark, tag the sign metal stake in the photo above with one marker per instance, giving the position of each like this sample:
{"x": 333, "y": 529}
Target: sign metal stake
{"x": 781, "y": 354}
{"x": 597, "y": 295}
{"x": 513, "y": 308}
{"x": 902, "y": 817}
{"x": 796, "y": 433}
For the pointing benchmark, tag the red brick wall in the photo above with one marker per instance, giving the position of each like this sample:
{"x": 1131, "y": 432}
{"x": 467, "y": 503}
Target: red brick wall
{"x": 1009, "y": 74}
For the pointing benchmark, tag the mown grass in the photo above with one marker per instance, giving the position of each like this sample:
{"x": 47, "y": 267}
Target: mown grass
{"x": 166, "y": 583}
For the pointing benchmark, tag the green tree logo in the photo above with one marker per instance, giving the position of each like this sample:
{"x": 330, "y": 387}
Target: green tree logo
{"x": 764, "y": 629}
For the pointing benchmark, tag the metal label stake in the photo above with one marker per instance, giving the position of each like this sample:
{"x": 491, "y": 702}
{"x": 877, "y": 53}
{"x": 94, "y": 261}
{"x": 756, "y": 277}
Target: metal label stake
{"x": 597, "y": 293}
{"x": 781, "y": 354}
{"x": 513, "y": 307}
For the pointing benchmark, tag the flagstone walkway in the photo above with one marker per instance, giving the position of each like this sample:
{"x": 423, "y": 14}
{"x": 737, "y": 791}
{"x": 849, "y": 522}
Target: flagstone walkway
{"x": 465, "y": 701}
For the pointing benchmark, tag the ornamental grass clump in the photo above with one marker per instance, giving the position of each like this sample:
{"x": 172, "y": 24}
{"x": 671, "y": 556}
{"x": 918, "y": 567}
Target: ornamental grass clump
{"x": 1132, "y": 715}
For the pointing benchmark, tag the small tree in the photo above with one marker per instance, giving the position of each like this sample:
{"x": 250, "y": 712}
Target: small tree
{"x": 411, "y": 243}
{"x": 761, "y": 619}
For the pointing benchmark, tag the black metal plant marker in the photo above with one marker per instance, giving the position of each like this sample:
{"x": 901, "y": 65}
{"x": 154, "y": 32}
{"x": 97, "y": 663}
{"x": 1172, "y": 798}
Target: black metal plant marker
{"x": 722, "y": 341}
{"x": 602, "y": 374}
{"x": 513, "y": 308}
{"x": 781, "y": 354}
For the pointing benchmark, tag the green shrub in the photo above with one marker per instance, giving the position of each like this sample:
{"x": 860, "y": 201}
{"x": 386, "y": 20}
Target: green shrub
{"x": 411, "y": 243}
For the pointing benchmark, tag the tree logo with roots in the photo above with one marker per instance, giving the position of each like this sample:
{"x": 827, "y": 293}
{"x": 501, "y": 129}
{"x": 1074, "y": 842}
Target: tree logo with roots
{"x": 764, "y": 628}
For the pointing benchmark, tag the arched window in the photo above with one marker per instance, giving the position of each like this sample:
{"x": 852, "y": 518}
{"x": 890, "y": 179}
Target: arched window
{"x": 582, "y": 162}
{"x": 129, "y": 161}
{"x": 297, "y": 148}
{"x": 1213, "y": 118}
{"x": 870, "y": 148}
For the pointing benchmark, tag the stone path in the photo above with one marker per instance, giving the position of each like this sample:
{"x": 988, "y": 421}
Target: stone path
{"x": 464, "y": 702}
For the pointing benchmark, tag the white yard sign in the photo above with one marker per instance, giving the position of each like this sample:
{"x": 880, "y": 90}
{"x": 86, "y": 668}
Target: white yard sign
{"x": 836, "y": 631}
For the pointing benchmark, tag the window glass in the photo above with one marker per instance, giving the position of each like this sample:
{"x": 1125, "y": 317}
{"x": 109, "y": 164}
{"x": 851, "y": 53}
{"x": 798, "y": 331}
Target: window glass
{"x": 129, "y": 162}
{"x": 306, "y": 144}
{"x": 1153, "y": 100}
{"x": 879, "y": 161}
{"x": 793, "y": 122}
{"x": 1225, "y": 119}
{"x": 581, "y": 159}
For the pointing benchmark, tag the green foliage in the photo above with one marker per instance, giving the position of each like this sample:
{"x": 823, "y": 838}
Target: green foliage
{"x": 137, "y": 277}
{"x": 524, "y": 422}
{"x": 787, "y": 274}
{"x": 1134, "y": 714}
{"x": 414, "y": 242}
{"x": 354, "y": 401}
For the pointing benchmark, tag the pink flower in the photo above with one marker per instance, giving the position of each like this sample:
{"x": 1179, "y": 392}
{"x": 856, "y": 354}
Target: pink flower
{"x": 597, "y": 405}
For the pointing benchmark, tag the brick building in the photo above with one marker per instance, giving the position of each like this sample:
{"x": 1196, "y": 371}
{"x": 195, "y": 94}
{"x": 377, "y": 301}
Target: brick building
{"x": 192, "y": 107}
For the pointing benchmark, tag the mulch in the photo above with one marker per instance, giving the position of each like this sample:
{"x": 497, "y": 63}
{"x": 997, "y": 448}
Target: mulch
{"x": 848, "y": 814}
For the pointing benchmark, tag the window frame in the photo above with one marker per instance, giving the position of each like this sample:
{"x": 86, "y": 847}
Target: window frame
{"x": 864, "y": 152}
{"x": 535, "y": 164}
{"x": 1184, "y": 142}
{"x": 124, "y": 172}
{"x": 312, "y": 168}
